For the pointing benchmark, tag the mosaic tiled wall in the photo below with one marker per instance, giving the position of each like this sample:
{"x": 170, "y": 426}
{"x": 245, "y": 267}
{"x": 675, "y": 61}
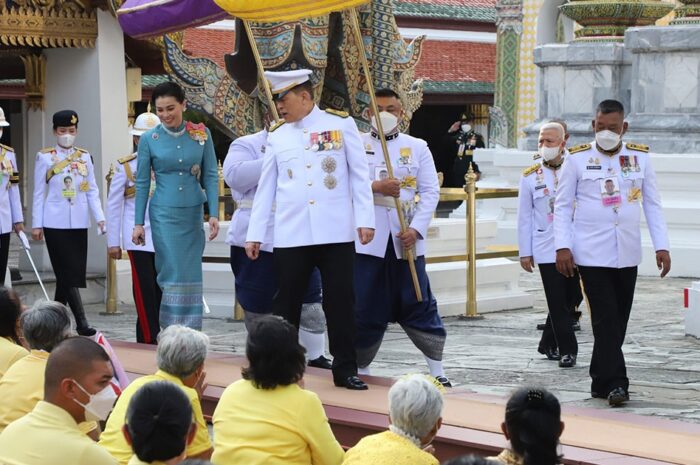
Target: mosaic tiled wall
{"x": 527, "y": 83}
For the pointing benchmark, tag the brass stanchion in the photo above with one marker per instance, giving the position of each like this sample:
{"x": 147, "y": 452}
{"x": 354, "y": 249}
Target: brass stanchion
{"x": 111, "y": 304}
{"x": 470, "y": 187}
{"x": 222, "y": 193}
{"x": 238, "y": 312}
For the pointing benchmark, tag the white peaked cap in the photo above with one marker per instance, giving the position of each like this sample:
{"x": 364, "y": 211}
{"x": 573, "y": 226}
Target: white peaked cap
{"x": 3, "y": 121}
{"x": 283, "y": 81}
{"x": 144, "y": 122}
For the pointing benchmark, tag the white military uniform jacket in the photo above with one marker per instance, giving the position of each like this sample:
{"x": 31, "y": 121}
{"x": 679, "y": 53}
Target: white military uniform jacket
{"x": 120, "y": 207}
{"x": 538, "y": 188}
{"x": 321, "y": 194}
{"x": 54, "y": 204}
{"x": 606, "y": 228}
{"x": 414, "y": 166}
{"x": 10, "y": 203}
{"x": 242, "y": 169}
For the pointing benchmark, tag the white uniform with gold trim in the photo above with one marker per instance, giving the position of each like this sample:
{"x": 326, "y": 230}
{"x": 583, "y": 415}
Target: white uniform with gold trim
{"x": 120, "y": 208}
{"x": 413, "y": 165}
{"x": 10, "y": 202}
{"x": 63, "y": 201}
{"x": 605, "y": 231}
{"x": 320, "y": 196}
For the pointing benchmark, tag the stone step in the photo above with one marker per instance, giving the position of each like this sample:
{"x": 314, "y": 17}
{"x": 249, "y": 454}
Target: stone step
{"x": 29, "y": 290}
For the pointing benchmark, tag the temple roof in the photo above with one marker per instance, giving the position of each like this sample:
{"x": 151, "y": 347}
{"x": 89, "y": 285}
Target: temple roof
{"x": 457, "y": 67}
{"x": 471, "y": 10}
{"x": 209, "y": 43}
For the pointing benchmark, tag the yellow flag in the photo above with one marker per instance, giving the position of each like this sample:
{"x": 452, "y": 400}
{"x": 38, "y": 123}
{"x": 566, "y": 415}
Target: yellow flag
{"x": 283, "y": 10}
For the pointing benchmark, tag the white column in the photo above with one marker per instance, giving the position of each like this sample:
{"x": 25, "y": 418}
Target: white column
{"x": 93, "y": 83}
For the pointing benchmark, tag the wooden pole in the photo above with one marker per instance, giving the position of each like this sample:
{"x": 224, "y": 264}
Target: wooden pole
{"x": 261, "y": 71}
{"x": 408, "y": 253}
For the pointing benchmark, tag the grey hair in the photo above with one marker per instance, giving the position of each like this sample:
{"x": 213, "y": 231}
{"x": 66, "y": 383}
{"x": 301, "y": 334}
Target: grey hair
{"x": 181, "y": 350}
{"x": 415, "y": 405}
{"x": 45, "y": 325}
{"x": 554, "y": 125}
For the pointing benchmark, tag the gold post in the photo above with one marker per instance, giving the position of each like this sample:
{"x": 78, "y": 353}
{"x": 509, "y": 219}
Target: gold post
{"x": 261, "y": 70}
{"x": 222, "y": 193}
{"x": 409, "y": 253}
{"x": 238, "y": 312}
{"x": 111, "y": 305}
{"x": 470, "y": 187}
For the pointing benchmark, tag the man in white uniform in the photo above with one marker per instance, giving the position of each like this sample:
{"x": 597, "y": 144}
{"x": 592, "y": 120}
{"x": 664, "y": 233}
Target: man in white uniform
{"x": 538, "y": 188}
{"x": 383, "y": 283}
{"x": 120, "y": 222}
{"x": 315, "y": 174}
{"x": 11, "y": 217}
{"x": 604, "y": 240}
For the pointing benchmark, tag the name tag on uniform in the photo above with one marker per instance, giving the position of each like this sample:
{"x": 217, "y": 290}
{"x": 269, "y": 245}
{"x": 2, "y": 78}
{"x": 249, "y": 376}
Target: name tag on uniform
{"x": 594, "y": 167}
{"x": 610, "y": 192}
{"x": 541, "y": 186}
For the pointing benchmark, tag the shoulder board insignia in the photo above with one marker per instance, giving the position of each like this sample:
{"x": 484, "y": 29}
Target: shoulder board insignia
{"x": 7, "y": 147}
{"x": 579, "y": 148}
{"x": 47, "y": 150}
{"x": 275, "y": 126}
{"x": 78, "y": 149}
{"x": 637, "y": 147}
{"x": 536, "y": 156}
{"x": 531, "y": 169}
{"x": 342, "y": 114}
{"x": 127, "y": 158}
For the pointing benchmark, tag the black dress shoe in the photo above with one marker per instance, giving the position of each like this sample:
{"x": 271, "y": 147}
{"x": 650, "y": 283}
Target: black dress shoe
{"x": 86, "y": 331}
{"x": 351, "y": 382}
{"x": 321, "y": 362}
{"x": 567, "y": 361}
{"x": 617, "y": 397}
{"x": 552, "y": 353}
{"x": 444, "y": 381}
{"x": 541, "y": 326}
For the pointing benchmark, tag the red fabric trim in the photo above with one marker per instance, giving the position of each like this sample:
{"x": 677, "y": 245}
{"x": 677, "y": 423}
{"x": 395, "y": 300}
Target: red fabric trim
{"x": 138, "y": 300}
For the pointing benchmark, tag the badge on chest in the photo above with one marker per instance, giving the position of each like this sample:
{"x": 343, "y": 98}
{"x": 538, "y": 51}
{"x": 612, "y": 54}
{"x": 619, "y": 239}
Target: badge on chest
{"x": 326, "y": 140}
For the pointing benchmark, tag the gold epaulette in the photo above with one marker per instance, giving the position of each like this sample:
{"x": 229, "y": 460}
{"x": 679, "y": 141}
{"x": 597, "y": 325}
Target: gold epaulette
{"x": 7, "y": 147}
{"x": 127, "y": 158}
{"x": 275, "y": 126}
{"x": 637, "y": 147}
{"x": 342, "y": 114}
{"x": 579, "y": 148}
{"x": 78, "y": 149}
{"x": 536, "y": 156}
{"x": 47, "y": 150}
{"x": 531, "y": 169}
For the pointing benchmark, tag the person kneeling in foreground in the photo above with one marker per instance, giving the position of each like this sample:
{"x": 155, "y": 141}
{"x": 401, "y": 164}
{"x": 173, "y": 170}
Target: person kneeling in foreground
{"x": 159, "y": 424}
{"x": 76, "y": 388}
{"x": 533, "y": 426}
{"x": 268, "y": 417}
{"x": 180, "y": 355}
{"x": 415, "y": 412}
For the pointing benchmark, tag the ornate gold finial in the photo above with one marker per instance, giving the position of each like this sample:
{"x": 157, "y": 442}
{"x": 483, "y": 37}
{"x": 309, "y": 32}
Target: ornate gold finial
{"x": 148, "y": 107}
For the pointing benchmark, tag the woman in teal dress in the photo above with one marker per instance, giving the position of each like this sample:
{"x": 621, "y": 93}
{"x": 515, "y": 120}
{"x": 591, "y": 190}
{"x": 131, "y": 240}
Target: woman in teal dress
{"x": 181, "y": 156}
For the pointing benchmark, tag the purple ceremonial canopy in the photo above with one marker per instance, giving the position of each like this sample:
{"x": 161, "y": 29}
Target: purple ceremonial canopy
{"x": 149, "y": 18}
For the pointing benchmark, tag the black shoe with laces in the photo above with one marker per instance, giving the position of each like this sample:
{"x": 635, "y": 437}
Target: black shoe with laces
{"x": 617, "y": 397}
{"x": 321, "y": 362}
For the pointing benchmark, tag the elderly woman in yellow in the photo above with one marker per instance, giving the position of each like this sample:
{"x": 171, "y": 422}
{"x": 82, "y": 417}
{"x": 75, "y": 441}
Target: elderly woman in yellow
{"x": 267, "y": 417}
{"x": 10, "y": 348}
{"x": 415, "y": 413}
{"x": 159, "y": 424}
{"x": 180, "y": 358}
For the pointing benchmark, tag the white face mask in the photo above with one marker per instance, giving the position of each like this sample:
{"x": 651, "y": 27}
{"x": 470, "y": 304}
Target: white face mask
{"x": 549, "y": 153}
{"x": 66, "y": 140}
{"x": 466, "y": 127}
{"x": 607, "y": 140}
{"x": 100, "y": 404}
{"x": 389, "y": 122}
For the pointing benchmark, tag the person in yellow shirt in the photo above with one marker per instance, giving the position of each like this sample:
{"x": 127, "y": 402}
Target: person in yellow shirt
{"x": 11, "y": 348}
{"x": 77, "y": 388}
{"x": 415, "y": 413}
{"x": 180, "y": 355}
{"x": 22, "y": 386}
{"x": 159, "y": 424}
{"x": 533, "y": 426}
{"x": 267, "y": 417}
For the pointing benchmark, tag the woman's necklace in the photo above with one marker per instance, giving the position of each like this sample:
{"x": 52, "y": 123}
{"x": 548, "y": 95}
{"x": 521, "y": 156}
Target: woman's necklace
{"x": 174, "y": 133}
